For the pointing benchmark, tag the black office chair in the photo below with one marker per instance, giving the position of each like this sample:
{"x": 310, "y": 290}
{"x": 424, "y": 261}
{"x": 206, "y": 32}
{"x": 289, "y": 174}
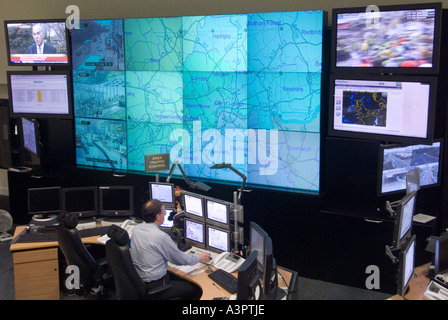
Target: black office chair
{"x": 93, "y": 273}
{"x": 128, "y": 284}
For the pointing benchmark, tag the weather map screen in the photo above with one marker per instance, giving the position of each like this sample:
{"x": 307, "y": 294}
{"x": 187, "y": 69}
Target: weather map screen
{"x": 243, "y": 89}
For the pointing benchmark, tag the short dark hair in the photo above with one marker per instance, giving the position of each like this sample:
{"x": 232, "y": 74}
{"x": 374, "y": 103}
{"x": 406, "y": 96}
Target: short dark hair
{"x": 151, "y": 209}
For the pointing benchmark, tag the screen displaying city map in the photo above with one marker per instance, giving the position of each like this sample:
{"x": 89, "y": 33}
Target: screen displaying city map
{"x": 243, "y": 89}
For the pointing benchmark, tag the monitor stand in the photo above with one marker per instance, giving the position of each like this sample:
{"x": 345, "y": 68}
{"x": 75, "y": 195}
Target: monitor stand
{"x": 44, "y": 220}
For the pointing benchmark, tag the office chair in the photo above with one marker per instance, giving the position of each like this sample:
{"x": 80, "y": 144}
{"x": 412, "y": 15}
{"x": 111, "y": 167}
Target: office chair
{"x": 93, "y": 273}
{"x": 128, "y": 284}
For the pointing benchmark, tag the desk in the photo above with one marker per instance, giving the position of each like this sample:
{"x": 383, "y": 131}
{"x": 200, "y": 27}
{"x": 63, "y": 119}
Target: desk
{"x": 36, "y": 272}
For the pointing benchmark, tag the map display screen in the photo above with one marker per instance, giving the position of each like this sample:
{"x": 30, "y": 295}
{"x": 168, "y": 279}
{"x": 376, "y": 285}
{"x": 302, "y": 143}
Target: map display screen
{"x": 243, "y": 89}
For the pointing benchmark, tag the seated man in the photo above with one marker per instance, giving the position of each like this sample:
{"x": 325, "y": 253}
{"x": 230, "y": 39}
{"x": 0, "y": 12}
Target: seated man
{"x": 151, "y": 249}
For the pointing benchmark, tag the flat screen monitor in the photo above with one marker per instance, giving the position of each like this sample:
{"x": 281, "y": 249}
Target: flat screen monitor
{"x": 403, "y": 220}
{"x": 116, "y": 201}
{"x": 397, "y": 160}
{"x": 193, "y": 205}
{"x": 406, "y": 266}
{"x": 40, "y": 94}
{"x": 195, "y": 233}
{"x": 37, "y": 43}
{"x": 441, "y": 255}
{"x": 30, "y": 135}
{"x": 393, "y": 39}
{"x": 385, "y": 108}
{"x": 167, "y": 223}
{"x": 218, "y": 240}
{"x": 249, "y": 285}
{"x": 81, "y": 201}
{"x": 163, "y": 192}
{"x": 44, "y": 201}
{"x": 217, "y": 212}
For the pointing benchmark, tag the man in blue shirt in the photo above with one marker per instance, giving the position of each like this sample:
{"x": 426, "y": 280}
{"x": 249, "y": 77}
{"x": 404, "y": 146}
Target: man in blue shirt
{"x": 151, "y": 249}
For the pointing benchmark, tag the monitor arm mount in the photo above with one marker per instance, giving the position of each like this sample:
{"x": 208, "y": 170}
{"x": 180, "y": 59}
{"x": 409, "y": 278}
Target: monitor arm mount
{"x": 194, "y": 185}
{"x": 390, "y": 254}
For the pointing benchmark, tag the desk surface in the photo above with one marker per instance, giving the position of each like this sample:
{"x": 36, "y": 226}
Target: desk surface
{"x": 210, "y": 290}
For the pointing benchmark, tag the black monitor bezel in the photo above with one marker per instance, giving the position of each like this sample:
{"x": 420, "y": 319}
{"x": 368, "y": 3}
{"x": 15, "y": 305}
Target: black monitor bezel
{"x": 194, "y": 242}
{"x": 192, "y": 215}
{"x": 390, "y": 70}
{"x": 68, "y": 115}
{"x": 249, "y": 278}
{"x": 43, "y": 189}
{"x": 81, "y": 214}
{"x": 402, "y": 284}
{"x": 383, "y": 147}
{"x": 38, "y": 64}
{"x": 214, "y": 249}
{"x": 261, "y": 255}
{"x": 210, "y": 221}
{"x": 377, "y": 136}
{"x": 102, "y": 212}
{"x": 36, "y": 136}
{"x": 169, "y": 205}
{"x": 398, "y": 242}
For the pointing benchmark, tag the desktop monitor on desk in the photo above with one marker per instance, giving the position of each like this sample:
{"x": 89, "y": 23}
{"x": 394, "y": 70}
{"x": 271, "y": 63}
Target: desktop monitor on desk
{"x": 249, "y": 284}
{"x": 81, "y": 201}
{"x": 406, "y": 266}
{"x": 44, "y": 204}
{"x": 116, "y": 201}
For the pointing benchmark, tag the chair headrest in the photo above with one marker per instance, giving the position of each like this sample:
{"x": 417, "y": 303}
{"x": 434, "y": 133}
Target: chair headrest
{"x": 68, "y": 220}
{"x": 119, "y": 235}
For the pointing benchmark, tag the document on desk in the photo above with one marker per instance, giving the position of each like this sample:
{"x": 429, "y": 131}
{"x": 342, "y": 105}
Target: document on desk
{"x": 185, "y": 268}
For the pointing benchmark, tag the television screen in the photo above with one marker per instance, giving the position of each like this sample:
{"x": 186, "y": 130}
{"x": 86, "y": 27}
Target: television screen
{"x": 392, "y": 39}
{"x": 116, "y": 201}
{"x": 39, "y": 42}
{"x": 40, "y": 94}
{"x": 385, "y": 108}
{"x": 397, "y": 160}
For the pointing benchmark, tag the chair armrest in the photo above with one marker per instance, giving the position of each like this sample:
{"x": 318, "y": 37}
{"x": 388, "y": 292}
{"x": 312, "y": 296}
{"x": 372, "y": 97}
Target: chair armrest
{"x": 158, "y": 289}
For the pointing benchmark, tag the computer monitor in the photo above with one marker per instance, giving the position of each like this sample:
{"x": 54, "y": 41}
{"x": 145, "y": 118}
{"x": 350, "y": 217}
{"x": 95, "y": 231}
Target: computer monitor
{"x": 40, "y": 94}
{"x": 249, "y": 285}
{"x": 413, "y": 180}
{"x": 193, "y": 205}
{"x": 217, "y": 212}
{"x": 81, "y": 201}
{"x": 403, "y": 219}
{"x": 30, "y": 135}
{"x": 394, "y": 39}
{"x": 195, "y": 233}
{"x": 406, "y": 266}
{"x": 163, "y": 192}
{"x": 167, "y": 223}
{"x": 116, "y": 201}
{"x": 218, "y": 240}
{"x": 441, "y": 255}
{"x": 37, "y": 43}
{"x": 44, "y": 203}
{"x": 396, "y": 160}
{"x": 258, "y": 238}
{"x": 384, "y": 108}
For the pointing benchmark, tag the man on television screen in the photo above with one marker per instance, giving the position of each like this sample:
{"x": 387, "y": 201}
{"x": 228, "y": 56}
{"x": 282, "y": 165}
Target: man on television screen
{"x": 39, "y": 46}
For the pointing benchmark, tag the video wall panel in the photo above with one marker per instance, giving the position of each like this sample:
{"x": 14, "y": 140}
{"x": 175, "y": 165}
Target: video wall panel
{"x": 243, "y": 89}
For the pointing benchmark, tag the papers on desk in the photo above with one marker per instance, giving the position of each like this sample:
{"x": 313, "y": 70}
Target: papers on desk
{"x": 186, "y": 269}
{"x": 423, "y": 218}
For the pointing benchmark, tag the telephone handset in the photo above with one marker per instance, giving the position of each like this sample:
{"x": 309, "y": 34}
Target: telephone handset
{"x": 129, "y": 225}
{"x": 228, "y": 261}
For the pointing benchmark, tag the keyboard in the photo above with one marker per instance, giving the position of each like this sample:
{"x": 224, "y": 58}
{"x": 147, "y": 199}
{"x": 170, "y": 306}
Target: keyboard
{"x": 48, "y": 236}
{"x": 226, "y": 280}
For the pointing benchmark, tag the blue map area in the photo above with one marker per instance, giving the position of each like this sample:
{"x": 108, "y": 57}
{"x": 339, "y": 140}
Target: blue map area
{"x": 243, "y": 88}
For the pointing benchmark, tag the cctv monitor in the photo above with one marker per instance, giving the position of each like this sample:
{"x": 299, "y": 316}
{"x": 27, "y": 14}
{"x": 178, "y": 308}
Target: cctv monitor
{"x": 397, "y": 109}
{"x": 116, "y": 201}
{"x": 37, "y": 43}
{"x": 80, "y": 201}
{"x": 193, "y": 205}
{"x": 406, "y": 266}
{"x": 397, "y": 39}
{"x": 163, "y": 192}
{"x": 217, "y": 212}
{"x": 44, "y": 203}
{"x": 249, "y": 285}
{"x": 40, "y": 94}
{"x": 403, "y": 219}
{"x": 167, "y": 223}
{"x": 218, "y": 240}
{"x": 195, "y": 233}
{"x": 398, "y": 160}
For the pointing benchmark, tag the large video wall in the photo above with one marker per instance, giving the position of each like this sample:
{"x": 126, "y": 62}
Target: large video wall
{"x": 242, "y": 89}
